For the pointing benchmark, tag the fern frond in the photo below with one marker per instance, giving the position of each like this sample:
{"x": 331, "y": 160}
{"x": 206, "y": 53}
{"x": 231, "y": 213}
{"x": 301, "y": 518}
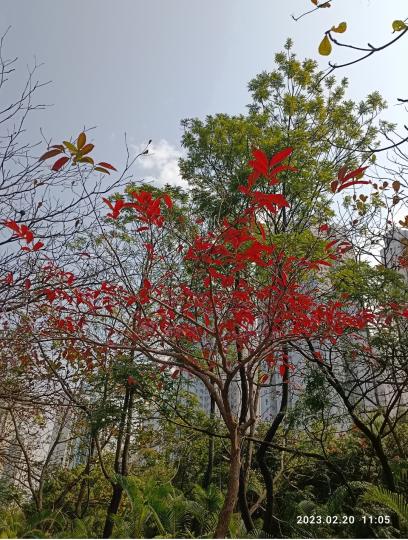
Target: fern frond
{"x": 394, "y": 501}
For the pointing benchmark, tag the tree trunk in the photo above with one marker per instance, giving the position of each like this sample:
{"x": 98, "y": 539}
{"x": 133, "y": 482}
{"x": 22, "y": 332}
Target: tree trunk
{"x": 243, "y": 502}
{"x": 112, "y": 510}
{"x": 387, "y": 473}
{"x": 232, "y": 488}
{"x": 116, "y": 488}
{"x": 269, "y": 524}
{"x": 210, "y": 463}
{"x": 79, "y": 511}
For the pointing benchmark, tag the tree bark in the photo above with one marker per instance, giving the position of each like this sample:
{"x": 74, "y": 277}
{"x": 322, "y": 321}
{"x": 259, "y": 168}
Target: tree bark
{"x": 112, "y": 510}
{"x": 269, "y": 524}
{"x": 116, "y": 488}
{"x": 79, "y": 511}
{"x": 210, "y": 463}
{"x": 243, "y": 502}
{"x": 232, "y": 488}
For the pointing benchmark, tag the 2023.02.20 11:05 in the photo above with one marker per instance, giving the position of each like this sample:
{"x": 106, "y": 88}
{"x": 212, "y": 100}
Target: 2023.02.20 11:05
{"x": 316, "y": 519}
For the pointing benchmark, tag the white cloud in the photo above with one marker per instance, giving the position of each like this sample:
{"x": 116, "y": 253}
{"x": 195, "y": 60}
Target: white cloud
{"x": 161, "y": 163}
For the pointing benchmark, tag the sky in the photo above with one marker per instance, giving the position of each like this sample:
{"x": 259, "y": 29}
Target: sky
{"x": 140, "y": 66}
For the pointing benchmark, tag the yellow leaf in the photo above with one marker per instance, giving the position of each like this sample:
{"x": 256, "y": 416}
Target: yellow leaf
{"x": 325, "y": 46}
{"x": 86, "y": 149}
{"x": 342, "y": 27}
{"x": 102, "y": 170}
{"x": 81, "y": 140}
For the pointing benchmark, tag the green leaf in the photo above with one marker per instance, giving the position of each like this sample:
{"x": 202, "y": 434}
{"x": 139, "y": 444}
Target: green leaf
{"x": 325, "y": 47}
{"x": 72, "y": 148}
{"x": 86, "y": 159}
{"x": 398, "y": 26}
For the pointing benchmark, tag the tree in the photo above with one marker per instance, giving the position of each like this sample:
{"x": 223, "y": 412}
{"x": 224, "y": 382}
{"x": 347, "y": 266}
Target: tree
{"x": 226, "y": 321}
{"x": 288, "y": 108}
{"x": 224, "y": 297}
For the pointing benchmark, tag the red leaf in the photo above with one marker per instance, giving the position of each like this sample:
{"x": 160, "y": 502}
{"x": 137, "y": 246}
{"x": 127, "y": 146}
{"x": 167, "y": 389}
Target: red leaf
{"x": 37, "y": 246}
{"x": 107, "y": 165}
{"x": 168, "y": 201}
{"x": 330, "y": 244}
{"x": 355, "y": 183}
{"x": 322, "y": 262}
{"x": 341, "y": 173}
{"x": 60, "y": 163}
{"x": 324, "y": 228}
{"x": 146, "y": 284}
{"x": 280, "y": 156}
{"x": 50, "y": 154}
{"x": 116, "y": 208}
{"x": 261, "y": 159}
{"x": 357, "y": 173}
{"x": 27, "y": 284}
{"x": 131, "y": 380}
{"x": 12, "y": 225}
{"x": 262, "y": 231}
{"x": 175, "y": 374}
{"x": 26, "y": 234}
{"x": 269, "y": 200}
{"x": 149, "y": 248}
{"x": 107, "y": 201}
{"x": 263, "y": 378}
{"x": 334, "y": 185}
{"x": 25, "y": 248}
{"x": 9, "y": 279}
{"x": 282, "y": 370}
{"x": 272, "y": 175}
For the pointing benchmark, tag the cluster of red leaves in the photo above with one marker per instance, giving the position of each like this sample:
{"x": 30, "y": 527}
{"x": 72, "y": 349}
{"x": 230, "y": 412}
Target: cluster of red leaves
{"x": 269, "y": 169}
{"x": 392, "y": 311}
{"x": 24, "y": 233}
{"x": 224, "y": 305}
{"x": 146, "y": 207}
{"x": 346, "y": 180}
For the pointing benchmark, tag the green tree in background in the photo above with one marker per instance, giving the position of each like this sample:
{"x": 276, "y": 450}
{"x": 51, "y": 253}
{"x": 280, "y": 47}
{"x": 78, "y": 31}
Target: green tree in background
{"x": 288, "y": 108}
